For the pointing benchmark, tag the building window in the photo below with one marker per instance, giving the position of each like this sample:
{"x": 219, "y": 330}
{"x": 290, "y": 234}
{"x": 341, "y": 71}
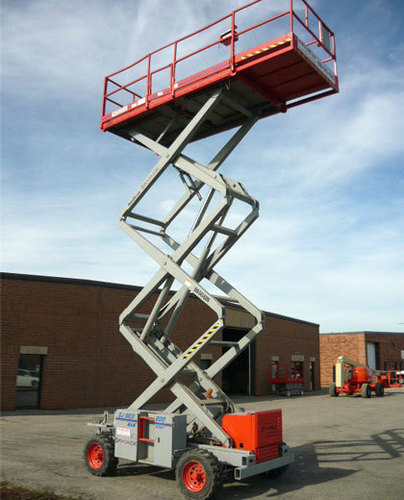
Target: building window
{"x": 273, "y": 372}
{"x": 206, "y": 360}
{"x": 299, "y": 367}
{"x": 393, "y": 365}
{"x": 29, "y": 380}
{"x": 274, "y": 369}
{"x": 206, "y": 363}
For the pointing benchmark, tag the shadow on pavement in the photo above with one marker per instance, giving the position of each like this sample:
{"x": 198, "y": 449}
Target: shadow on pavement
{"x": 315, "y": 464}
{"x": 383, "y": 446}
{"x": 133, "y": 470}
{"x": 310, "y": 467}
{"x": 305, "y": 471}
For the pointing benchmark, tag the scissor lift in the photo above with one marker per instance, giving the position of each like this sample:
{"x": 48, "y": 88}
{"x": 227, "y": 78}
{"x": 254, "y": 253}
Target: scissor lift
{"x": 287, "y": 378}
{"x": 202, "y": 433}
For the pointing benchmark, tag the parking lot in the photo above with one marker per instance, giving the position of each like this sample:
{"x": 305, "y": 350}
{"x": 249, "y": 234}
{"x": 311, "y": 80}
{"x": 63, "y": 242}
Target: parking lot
{"x": 345, "y": 447}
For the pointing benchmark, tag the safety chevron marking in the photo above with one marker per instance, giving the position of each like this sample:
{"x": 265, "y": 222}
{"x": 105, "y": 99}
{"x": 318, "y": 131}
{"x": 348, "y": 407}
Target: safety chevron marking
{"x": 264, "y": 49}
{"x": 201, "y": 341}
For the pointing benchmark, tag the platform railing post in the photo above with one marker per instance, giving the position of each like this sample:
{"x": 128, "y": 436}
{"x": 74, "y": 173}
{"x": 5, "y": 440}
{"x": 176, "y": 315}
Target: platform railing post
{"x": 104, "y": 99}
{"x": 173, "y": 68}
{"x": 334, "y": 55}
{"x": 148, "y": 84}
{"x": 291, "y": 16}
{"x": 320, "y": 32}
{"x": 232, "y": 65}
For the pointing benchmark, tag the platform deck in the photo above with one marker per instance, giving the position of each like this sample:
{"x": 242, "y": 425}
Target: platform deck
{"x": 267, "y": 79}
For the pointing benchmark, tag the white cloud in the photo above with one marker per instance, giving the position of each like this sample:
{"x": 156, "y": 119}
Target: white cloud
{"x": 64, "y": 49}
{"x": 316, "y": 252}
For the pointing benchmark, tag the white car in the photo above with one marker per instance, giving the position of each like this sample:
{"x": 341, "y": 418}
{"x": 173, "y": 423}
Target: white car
{"x": 26, "y": 379}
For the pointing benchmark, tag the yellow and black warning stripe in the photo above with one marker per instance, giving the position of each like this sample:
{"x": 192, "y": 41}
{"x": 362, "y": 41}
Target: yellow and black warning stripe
{"x": 264, "y": 49}
{"x": 203, "y": 339}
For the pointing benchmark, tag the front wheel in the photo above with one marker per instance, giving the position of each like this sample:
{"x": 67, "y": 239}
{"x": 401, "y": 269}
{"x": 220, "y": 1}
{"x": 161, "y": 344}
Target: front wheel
{"x": 366, "y": 391}
{"x": 199, "y": 475}
{"x": 332, "y": 390}
{"x": 99, "y": 456}
{"x": 379, "y": 390}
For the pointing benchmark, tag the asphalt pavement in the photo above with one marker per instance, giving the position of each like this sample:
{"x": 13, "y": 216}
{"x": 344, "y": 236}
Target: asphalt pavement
{"x": 346, "y": 447}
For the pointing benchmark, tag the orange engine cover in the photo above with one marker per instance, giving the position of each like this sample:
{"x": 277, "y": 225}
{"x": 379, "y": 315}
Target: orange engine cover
{"x": 259, "y": 432}
{"x": 362, "y": 375}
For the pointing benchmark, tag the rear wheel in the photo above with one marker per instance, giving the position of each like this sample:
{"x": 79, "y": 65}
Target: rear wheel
{"x": 199, "y": 474}
{"x": 332, "y": 390}
{"x": 99, "y": 456}
{"x": 366, "y": 391}
{"x": 379, "y": 390}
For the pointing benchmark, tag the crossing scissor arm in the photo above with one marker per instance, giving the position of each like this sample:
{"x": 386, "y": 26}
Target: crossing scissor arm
{"x": 152, "y": 340}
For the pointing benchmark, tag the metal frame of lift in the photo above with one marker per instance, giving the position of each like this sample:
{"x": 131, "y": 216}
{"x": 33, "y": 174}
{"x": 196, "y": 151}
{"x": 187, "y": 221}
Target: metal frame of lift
{"x": 202, "y": 402}
{"x": 152, "y": 343}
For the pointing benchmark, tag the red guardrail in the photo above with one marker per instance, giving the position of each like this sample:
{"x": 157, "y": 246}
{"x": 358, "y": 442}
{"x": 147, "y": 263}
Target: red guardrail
{"x": 285, "y": 373}
{"x": 320, "y": 35}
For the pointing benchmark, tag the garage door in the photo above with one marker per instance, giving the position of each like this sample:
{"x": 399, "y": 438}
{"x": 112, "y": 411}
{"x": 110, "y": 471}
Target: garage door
{"x": 371, "y": 353}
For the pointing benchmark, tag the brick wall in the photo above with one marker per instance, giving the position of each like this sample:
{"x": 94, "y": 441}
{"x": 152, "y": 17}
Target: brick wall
{"x": 283, "y": 338}
{"x": 89, "y": 363}
{"x": 350, "y": 345}
{"x": 390, "y": 347}
{"x": 353, "y": 346}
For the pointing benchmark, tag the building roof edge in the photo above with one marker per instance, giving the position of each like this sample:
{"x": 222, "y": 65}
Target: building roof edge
{"x": 120, "y": 286}
{"x": 363, "y": 332}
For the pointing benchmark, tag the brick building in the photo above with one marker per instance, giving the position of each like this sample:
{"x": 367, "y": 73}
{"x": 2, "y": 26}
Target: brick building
{"x": 378, "y": 350}
{"x": 61, "y": 347}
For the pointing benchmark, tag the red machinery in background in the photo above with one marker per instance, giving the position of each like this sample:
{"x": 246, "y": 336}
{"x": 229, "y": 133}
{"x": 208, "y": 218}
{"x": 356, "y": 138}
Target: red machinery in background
{"x": 389, "y": 378}
{"x": 287, "y": 377}
{"x": 353, "y": 378}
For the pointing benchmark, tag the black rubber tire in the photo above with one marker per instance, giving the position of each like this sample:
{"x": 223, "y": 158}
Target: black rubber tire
{"x": 332, "y": 390}
{"x": 366, "y": 391}
{"x": 212, "y": 469}
{"x": 379, "y": 390}
{"x": 274, "y": 473}
{"x": 108, "y": 463}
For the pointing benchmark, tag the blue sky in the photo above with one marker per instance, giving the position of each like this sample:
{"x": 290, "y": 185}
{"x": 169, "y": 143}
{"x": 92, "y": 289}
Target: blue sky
{"x": 329, "y": 244}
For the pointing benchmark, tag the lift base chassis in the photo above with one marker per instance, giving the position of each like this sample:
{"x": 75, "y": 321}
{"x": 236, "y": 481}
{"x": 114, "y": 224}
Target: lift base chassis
{"x": 134, "y": 431}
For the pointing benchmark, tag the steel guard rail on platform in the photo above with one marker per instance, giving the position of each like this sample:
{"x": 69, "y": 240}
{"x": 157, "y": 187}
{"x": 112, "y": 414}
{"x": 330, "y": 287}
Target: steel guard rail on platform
{"x": 325, "y": 40}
